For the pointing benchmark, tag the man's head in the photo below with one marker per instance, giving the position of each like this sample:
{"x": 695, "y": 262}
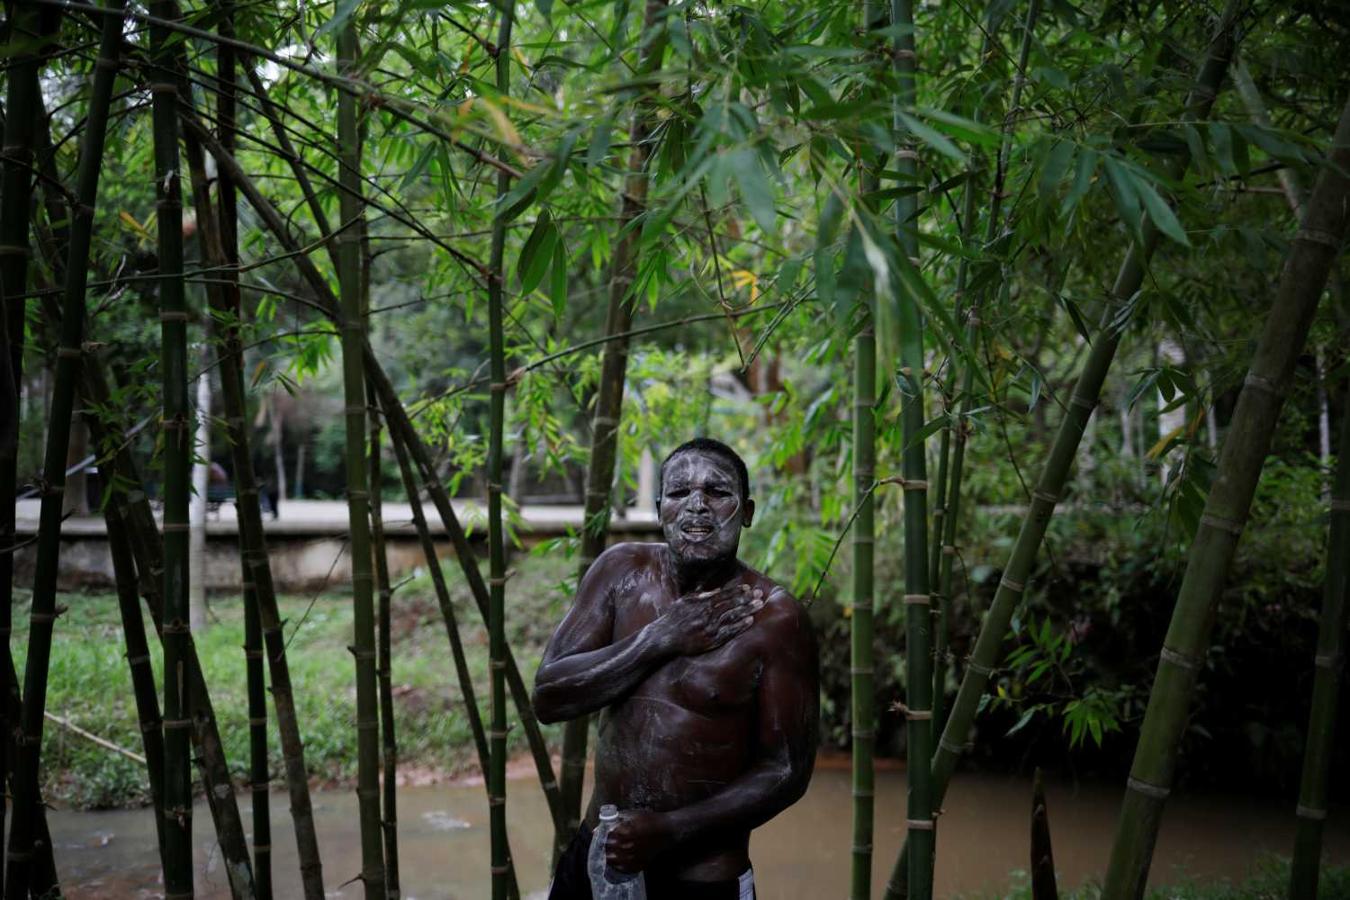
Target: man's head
{"x": 704, "y": 501}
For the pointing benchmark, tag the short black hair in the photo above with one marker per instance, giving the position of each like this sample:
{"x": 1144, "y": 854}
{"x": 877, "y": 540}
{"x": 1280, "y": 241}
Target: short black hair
{"x": 716, "y": 448}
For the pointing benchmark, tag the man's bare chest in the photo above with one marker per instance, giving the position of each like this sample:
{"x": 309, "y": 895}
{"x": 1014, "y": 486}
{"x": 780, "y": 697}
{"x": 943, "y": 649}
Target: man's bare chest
{"x": 720, "y": 682}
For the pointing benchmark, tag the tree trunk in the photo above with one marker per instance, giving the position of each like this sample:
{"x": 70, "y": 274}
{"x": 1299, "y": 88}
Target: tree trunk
{"x": 201, "y": 475}
{"x": 278, "y": 423}
{"x": 1054, "y": 474}
{"x": 613, "y": 365}
{"x": 1302, "y": 281}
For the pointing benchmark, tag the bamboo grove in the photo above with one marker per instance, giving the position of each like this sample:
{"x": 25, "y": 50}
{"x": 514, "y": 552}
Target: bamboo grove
{"x": 531, "y": 232}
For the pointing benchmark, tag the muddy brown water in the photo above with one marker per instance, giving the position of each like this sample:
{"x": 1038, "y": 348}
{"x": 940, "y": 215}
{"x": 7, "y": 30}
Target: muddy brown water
{"x": 804, "y": 853}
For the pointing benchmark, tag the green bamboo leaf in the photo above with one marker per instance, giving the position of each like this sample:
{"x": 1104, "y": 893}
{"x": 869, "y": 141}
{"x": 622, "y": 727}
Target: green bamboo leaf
{"x": 344, "y": 11}
{"x": 830, "y": 216}
{"x": 1082, "y": 179}
{"x": 1161, "y": 214}
{"x": 930, "y": 136}
{"x": 961, "y": 127}
{"x": 598, "y": 150}
{"x": 523, "y": 193}
{"x": 537, "y": 253}
{"x": 1076, "y": 314}
{"x": 545, "y": 8}
{"x": 1052, "y": 171}
{"x": 755, "y": 188}
{"x": 1272, "y": 143}
{"x": 1123, "y": 190}
{"x": 1221, "y": 139}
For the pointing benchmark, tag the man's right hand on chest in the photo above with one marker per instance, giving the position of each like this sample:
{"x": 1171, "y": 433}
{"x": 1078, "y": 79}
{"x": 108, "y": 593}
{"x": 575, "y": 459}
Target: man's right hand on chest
{"x": 698, "y": 623}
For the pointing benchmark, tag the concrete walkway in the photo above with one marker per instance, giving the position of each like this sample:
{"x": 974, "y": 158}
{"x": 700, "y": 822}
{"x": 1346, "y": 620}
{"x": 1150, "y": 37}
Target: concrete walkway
{"x": 329, "y": 517}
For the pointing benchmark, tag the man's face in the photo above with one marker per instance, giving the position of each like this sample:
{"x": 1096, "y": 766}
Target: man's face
{"x": 701, "y": 510}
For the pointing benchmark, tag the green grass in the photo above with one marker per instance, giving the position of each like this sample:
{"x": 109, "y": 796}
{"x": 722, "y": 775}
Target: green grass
{"x": 1268, "y": 880}
{"x": 90, "y": 685}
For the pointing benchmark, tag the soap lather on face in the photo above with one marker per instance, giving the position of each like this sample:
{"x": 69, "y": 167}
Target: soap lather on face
{"x": 701, "y": 506}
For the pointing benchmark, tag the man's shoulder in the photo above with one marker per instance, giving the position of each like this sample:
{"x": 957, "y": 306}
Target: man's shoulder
{"x": 631, "y": 550}
{"x": 625, "y": 555}
{"x": 783, "y": 615}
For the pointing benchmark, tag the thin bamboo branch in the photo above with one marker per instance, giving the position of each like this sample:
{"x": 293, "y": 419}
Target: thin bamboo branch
{"x": 349, "y": 87}
{"x": 384, "y": 643}
{"x": 952, "y": 500}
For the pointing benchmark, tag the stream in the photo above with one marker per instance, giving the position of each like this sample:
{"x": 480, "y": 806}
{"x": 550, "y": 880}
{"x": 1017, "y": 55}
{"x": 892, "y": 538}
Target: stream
{"x": 804, "y": 853}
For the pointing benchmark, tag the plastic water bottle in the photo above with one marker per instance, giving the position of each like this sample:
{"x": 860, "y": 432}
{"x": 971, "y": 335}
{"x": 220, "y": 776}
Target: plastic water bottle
{"x": 607, "y": 884}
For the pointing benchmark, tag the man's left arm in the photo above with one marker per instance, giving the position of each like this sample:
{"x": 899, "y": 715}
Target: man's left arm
{"x": 787, "y": 730}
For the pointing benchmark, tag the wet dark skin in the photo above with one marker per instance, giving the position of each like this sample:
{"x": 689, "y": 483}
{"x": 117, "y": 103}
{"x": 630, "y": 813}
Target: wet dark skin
{"x": 705, "y": 673}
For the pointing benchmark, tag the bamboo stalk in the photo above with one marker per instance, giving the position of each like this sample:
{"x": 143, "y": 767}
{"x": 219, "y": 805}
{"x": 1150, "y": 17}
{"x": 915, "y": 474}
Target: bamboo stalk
{"x": 1054, "y": 473}
{"x": 500, "y": 863}
{"x": 1329, "y": 665}
{"x": 176, "y": 630}
{"x": 613, "y": 365}
{"x": 138, "y": 660}
{"x": 863, "y": 681}
{"x": 861, "y": 667}
{"x": 465, "y": 680}
{"x": 920, "y": 821}
{"x": 399, "y": 424}
{"x": 69, "y": 355}
{"x": 1302, "y": 280}
{"x": 259, "y": 590}
{"x": 147, "y": 550}
{"x": 358, "y": 497}
{"x": 389, "y": 743}
{"x": 23, "y": 98}
{"x": 43, "y": 880}
{"x": 227, "y": 216}
{"x": 1329, "y": 660}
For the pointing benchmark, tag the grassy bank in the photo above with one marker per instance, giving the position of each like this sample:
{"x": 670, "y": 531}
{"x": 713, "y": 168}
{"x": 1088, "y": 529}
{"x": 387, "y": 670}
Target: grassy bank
{"x": 90, "y": 686}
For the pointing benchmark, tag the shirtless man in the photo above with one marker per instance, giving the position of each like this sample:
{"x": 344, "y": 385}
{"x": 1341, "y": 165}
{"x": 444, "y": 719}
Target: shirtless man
{"x": 706, "y": 675}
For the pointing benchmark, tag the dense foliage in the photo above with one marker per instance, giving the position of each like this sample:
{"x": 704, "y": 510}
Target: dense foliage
{"x": 758, "y": 247}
